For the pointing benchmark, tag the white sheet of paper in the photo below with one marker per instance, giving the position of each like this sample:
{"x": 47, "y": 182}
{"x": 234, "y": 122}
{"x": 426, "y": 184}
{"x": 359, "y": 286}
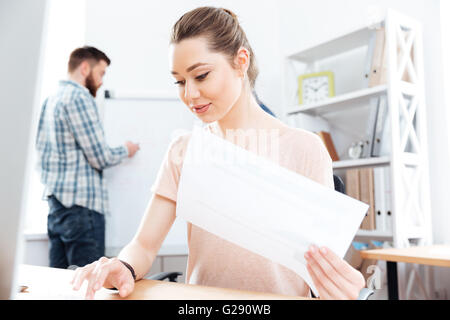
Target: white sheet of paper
{"x": 261, "y": 206}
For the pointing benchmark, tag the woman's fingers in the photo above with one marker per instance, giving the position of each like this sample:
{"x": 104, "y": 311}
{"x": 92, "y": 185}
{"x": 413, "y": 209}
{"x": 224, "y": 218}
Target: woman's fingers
{"x": 323, "y": 280}
{"x": 80, "y": 275}
{"x": 125, "y": 289}
{"x": 334, "y": 274}
{"x": 342, "y": 267}
{"x": 100, "y": 279}
{"x": 95, "y": 274}
{"x": 329, "y": 271}
{"x": 323, "y": 293}
{"x": 100, "y": 270}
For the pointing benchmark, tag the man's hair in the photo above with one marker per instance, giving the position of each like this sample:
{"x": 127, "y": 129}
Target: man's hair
{"x": 93, "y": 55}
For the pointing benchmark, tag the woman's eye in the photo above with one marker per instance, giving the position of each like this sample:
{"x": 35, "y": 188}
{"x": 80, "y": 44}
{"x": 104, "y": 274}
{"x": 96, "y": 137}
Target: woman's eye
{"x": 202, "y": 77}
{"x": 199, "y": 78}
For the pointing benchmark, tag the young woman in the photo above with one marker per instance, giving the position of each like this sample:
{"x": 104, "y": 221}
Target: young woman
{"x": 215, "y": 70}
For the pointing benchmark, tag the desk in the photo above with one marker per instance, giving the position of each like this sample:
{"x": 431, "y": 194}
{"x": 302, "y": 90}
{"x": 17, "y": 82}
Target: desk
{"x": 53, "y": 284}
{"x": 434, "y": 255}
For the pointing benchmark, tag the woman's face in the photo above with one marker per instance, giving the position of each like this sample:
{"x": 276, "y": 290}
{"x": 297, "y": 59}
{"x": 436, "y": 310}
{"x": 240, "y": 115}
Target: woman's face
{"x": 206, "y": 81}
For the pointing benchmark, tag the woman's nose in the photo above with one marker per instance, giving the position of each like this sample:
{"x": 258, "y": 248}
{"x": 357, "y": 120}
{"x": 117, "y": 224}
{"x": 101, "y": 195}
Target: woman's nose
{"x": 191, "y": 91}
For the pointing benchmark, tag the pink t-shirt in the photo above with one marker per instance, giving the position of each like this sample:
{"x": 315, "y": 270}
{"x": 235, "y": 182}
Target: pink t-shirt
{"x": 216, "y": 262}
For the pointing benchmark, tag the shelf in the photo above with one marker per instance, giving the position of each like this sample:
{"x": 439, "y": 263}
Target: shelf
{"x": 340, "y": 103}
{"x": 338, "y": 45}
{"x": 373, "y": 233}
{"x": 360, "y": 163}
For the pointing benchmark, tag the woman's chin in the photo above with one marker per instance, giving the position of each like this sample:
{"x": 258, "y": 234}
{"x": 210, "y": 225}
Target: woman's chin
{"x": 207, "y": 118}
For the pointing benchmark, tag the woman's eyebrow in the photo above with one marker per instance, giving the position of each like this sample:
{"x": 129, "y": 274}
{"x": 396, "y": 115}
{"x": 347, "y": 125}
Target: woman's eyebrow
{"x": 193, "y": 67}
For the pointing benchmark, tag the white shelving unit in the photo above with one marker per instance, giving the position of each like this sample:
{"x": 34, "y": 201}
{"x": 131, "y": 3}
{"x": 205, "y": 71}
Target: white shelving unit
{"x": 361, "y": 163}
{"x": 407, "y": 160}
{"x": 340, "y": 103}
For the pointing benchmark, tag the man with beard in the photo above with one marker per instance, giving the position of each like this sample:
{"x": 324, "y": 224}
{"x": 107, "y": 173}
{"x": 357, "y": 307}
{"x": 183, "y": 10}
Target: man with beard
{"x": 72, "y": 155}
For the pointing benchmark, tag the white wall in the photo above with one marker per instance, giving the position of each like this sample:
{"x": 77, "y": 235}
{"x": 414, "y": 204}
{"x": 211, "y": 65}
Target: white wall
{"x": 135, "y": 34}
{"x": 64, "y": 32}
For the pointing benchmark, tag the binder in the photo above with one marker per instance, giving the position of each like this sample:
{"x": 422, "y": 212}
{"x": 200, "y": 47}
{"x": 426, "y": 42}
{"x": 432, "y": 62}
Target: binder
{"x": 388, "y": 200}
{"x": 367, "y": 196}
{"x": 378, "y": 74}
{"x": 380, "y": 127}
{"x": 352, "y": 183}
{"x": 328, "y": 142}
{"x": 380, "y": 205}
{"x": 369, "y": 58}
{"x": 371, "y": 121}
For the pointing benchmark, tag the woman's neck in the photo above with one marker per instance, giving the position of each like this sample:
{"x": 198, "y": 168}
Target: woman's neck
{"x": 245, "y": 114}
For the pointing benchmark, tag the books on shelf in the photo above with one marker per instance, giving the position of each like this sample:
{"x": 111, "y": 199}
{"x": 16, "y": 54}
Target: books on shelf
{"x": 370, "y": 128}
{"x": 378, "y": 68}
{"x": 380, "y": 140}
{"x": 388, "y": 224}
{"x": 372, "y": 186}
{"x": 366, "y": 194}
{"x": 375, "y": 68}
{"x": 352, "y": 183}
{"x": 328, "y": 142}
{"x": 376, "y": 141}
{"x": 382, "y": 187}
{"x": 359, "y": 185}
{"x": 376, "y": 59}
{"x": 380, "y": 205}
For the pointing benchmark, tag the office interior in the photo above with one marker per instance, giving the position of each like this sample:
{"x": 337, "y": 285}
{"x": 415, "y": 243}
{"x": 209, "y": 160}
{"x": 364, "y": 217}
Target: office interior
{"x": 141, "y": 103}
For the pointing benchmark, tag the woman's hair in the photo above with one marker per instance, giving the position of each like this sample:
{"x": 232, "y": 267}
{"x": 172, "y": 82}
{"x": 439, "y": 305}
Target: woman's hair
{"x": 222, "y": 31}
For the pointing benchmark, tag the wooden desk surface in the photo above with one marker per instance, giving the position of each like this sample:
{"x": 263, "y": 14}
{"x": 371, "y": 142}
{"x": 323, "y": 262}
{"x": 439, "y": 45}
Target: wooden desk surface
{"x": 434, "y": 255}
{"x": 53, "y": 284}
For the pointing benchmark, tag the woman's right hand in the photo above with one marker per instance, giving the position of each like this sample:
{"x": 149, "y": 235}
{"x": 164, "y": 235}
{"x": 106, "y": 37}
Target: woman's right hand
{"x": 108, "y": 273}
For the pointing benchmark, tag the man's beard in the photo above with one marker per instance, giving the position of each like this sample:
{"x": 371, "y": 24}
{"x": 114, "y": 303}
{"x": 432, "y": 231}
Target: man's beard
{"x": 90, "y": 85}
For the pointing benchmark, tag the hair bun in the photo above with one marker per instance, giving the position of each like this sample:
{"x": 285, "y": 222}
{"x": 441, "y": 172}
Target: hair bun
{"x": 231, "y": 13}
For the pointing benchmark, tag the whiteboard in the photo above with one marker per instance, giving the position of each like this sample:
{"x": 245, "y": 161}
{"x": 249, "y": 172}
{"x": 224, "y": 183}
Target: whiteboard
{"x": 153, "y": 124}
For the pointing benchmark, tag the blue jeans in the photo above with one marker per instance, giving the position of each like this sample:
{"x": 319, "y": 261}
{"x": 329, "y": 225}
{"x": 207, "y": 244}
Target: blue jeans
{"x": 76, "y": 234}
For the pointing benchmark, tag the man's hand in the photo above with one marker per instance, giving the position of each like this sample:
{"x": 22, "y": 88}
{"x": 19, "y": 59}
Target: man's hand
{"x": 132, "y": 148}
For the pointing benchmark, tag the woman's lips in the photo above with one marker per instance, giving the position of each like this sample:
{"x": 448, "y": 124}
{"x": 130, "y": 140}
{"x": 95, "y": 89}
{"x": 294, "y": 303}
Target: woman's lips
{"x": 201, "y": 108}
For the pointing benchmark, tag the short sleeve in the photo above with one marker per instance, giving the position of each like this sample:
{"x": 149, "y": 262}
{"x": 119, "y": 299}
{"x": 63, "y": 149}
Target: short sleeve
{"x": 321, "y": 165}
{"x": 166, "y": 183}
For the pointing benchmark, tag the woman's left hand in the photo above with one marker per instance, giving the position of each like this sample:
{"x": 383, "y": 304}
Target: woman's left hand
{"x": 333, "y": 277}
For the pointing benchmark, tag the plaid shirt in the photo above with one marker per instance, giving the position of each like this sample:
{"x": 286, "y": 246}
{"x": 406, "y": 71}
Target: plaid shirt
{"x": 72, "y": 150}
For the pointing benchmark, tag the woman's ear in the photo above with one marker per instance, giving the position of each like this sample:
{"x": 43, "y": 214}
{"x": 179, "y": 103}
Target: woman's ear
{"x": 242, "y": 60}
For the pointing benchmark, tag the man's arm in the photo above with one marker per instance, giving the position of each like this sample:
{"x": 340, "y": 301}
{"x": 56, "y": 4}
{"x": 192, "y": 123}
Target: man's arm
{"x": 84, "y": 124}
